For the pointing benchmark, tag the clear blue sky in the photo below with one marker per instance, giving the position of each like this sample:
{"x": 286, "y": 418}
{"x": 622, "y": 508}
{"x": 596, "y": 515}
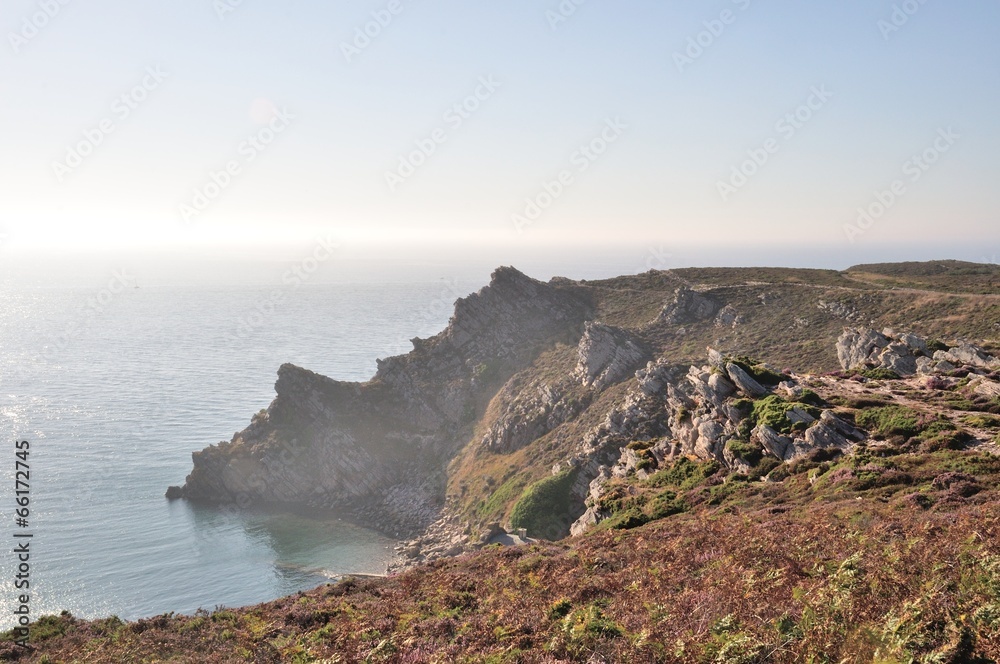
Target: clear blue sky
{"x": 657, "y": 184}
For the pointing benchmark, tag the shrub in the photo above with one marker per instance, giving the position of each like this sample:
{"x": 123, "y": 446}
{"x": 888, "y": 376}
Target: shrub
{"x": 890, "y": 421}
{"x": 935, "y": 345}
{"x": 766, "y": 465}
{"x": 684, "y": 474}
{"x": 748, "y": 452}
{"x": 880, "y": 373}
{"x": 772, "y": 411}
{"x": 811, "y": 398}
{"x": 543, "y": 509}
{"x": 630, "y": 518}
{"x": 758, "y": 371}
{"x": 560, "y": 609}
{"x": 666, "y": 504}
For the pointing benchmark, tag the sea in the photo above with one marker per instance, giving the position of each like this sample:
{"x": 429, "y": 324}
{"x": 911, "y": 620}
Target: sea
{"x": 114, "y": 379}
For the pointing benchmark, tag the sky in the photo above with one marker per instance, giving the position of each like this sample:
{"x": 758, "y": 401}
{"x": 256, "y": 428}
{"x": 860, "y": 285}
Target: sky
{"x": 825, "y": 133}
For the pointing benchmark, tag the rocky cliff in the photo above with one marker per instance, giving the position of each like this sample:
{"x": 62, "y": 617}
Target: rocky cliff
{"x": 378, "y": 450}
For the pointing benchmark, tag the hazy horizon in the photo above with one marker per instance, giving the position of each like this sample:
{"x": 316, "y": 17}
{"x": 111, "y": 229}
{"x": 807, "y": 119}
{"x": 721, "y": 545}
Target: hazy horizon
{"x": 775, "y": 128}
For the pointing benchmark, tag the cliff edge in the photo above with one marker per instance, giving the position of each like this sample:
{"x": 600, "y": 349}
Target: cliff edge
{"x": 378, "y": 450}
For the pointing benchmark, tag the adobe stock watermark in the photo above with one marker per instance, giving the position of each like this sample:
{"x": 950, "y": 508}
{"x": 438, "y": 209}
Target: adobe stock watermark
{"x": 913, "y": 169}
{"x": 657, "y": 258}
{"x": 453, "y": 118}
{"x": 786, "y": 128}
{"x": 900, "y": 16}
{"x": 94, "y": 306}
{"x": 32, "y": 26}
{"x": 121, "y": 108}
{"x": 248, "y": 150}
{"x": 698, "y": 44}
{"x": 298, "y": 274}
{"x": 562, "y": 13}
{"x": 224, "y": 7}
{"x": 365, "y": 34}
{"x": 581, "y": 161}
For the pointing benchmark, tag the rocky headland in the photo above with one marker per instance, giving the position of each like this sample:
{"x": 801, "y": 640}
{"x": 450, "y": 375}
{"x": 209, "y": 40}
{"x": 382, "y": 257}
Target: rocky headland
{"x": 585, "y": 381}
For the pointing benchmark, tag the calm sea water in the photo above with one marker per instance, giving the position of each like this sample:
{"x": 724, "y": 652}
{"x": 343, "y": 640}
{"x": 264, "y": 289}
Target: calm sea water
{"x": 115, "y": 390}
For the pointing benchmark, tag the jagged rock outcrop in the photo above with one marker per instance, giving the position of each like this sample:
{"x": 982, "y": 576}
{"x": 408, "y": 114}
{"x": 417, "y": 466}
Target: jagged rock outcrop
{"x": 378, "y": 450}
{"x": 859, "y": 347}
{"x": 688, "y": 306}
{"x": 969, "y": 355}
{"x": 744, "y": 381}
{"x": 607, "y": 355}
{"x": 528, "y": 412}
{"x": 906, "y": 354}
{"x": 696, "y": 413}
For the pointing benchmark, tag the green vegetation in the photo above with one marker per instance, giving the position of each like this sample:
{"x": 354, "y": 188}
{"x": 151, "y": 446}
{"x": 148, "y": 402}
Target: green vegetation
{"x": 934, "y": 345}
{"x": 499, "y": 499}
{"x": 758, "y": 370}
{"x": 772, "y": 411}
{"x": 544, "y": 507}
{"x": 880, "y": 373}
{"x": 890, "y": 421}
{"x": 746, "y": 451}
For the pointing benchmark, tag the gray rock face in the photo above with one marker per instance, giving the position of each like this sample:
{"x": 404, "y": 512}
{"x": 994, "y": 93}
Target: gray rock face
{"x": 654, "y": 378}
{"x": 898, "y": 357}
{"x": 688, "y": 306}
{"x": 906, "y": 354}
{"x": 986, "y": 388}
{"x": 914, "y": 343}
{"x": 728, "y": 317}
{"x": 527, "y": 412}
{"x": 777, "y": 445}
{"x": 855, "y": 347}
{"x": 745, "y": 382}
{"x": 607, "y": 355}
{"x": 967, "y": 354}
{"x": 830, "y": 419}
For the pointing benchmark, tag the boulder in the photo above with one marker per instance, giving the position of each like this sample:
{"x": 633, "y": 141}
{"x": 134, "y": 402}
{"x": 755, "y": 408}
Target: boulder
{"x": 899, "y": 358}
{"x": 855, "y": 347}
{"x": 914, "y": 343}
{"x": 721, "y": 386}
{"x": 822, "y": 435}
{"x": 985, "y": 387}
{"x": 716, "y": 359}
{"x": 654, "y": 378}
{"x": 490, "y": 531}
{"x": 745, "y": 382}
{"x": 970, "y": 355}
{"x": 778, "y": 445}
{"x": 796, "y": 415}
{"x": 828, "y": 418}
{"x": 589, "y": 519}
